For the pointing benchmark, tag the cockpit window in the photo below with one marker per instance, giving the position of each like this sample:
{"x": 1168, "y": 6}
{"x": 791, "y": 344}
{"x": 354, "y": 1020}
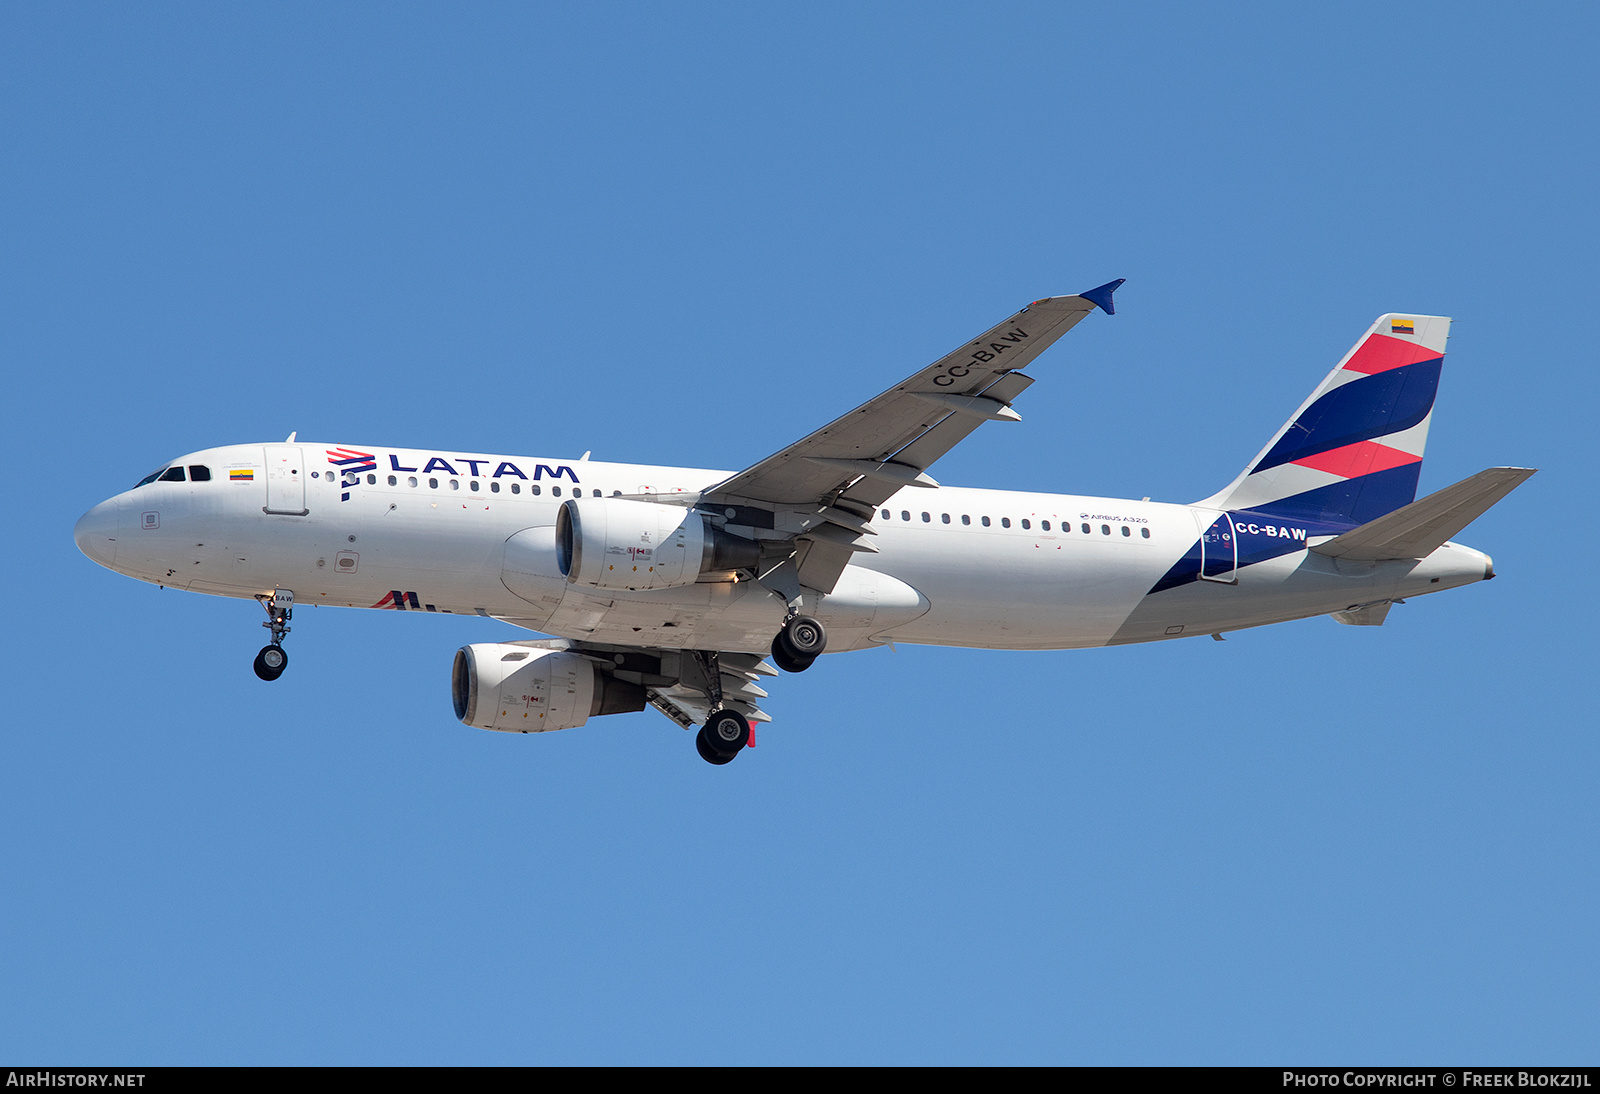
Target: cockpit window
{"x": 148, "y": 479}
{"x": 172, "y": 474}
{"x": 199, "y": 472}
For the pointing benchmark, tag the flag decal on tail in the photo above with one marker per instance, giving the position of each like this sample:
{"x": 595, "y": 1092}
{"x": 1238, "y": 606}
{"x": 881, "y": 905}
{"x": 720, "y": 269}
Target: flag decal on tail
{"x": 1402, "y": 326}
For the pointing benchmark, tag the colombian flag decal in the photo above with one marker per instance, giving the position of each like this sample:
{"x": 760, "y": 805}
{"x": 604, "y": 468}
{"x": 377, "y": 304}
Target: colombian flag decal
{"x": 241, "y": 476}
{"x": 1402, "y": 326}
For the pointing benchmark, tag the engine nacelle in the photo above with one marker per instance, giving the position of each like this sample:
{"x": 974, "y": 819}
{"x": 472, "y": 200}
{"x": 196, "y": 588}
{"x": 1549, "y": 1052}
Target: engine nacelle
{"x": 615, "y": 543}
{"x": 520, "y": 689}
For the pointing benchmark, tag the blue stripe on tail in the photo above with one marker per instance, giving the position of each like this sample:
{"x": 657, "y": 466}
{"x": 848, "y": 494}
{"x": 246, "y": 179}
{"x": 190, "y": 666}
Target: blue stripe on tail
{"x": 1361, "y": 410}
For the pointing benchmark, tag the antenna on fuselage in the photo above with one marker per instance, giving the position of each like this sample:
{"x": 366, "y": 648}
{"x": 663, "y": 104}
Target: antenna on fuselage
{"x": 290, "y": 438}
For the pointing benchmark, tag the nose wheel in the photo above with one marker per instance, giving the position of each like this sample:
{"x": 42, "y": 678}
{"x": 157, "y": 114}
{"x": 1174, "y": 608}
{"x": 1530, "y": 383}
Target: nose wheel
{"x": 273, "y": 658}
{"x": 271, "y": 662}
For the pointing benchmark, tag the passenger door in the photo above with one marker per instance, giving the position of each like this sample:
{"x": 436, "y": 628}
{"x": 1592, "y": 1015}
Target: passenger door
{"x": 286, "y": 487}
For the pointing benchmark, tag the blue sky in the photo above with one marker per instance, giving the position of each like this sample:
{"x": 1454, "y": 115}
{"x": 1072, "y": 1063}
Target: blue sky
{"x": 691, "y": 236}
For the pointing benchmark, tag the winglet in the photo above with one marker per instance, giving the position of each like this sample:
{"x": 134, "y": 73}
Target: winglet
{"x": 1101, "y": 296}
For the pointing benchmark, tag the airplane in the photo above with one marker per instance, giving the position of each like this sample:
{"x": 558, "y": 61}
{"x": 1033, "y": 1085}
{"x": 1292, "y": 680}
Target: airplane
{"x": 671, "y": 587}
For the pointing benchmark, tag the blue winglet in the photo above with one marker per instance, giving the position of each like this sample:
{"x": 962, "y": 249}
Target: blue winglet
{"x": 1101, "y": 296}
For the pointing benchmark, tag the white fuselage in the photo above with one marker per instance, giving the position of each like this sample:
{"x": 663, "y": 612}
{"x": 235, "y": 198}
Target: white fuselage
{"x": 418, "y": 530}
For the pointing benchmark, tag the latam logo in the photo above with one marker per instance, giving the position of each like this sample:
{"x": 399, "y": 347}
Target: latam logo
{"x": 352, "y": 464}
{"x": 506, "y": 469}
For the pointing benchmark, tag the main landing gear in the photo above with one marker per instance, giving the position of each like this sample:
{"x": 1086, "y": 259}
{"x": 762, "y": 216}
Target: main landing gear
{"x": 723, "y": 736}
{"x": 273, "y": 658}
{"x": 726, "y": 732}
{"x": 800, "y": 642}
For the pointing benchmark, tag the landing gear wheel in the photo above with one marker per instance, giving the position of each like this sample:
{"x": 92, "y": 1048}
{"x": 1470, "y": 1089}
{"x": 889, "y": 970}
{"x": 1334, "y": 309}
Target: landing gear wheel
{"x": 271, "y": 662}
{"x": 798, "y": 644}
{"x": 726, "y": 732}
{"x": 709, "y": 754}
{"x": 786, "y": 661}
{"x": 804, "y": 638}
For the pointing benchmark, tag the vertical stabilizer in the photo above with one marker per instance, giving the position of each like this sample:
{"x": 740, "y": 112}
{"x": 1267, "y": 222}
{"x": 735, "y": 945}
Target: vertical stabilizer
{"x": 1353, "y": 451}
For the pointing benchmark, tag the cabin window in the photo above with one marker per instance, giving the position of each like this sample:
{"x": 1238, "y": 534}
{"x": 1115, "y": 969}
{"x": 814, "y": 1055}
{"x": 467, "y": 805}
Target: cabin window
{"x": 411, "y": 480}
{"x": 905, "y": 514}
{"x": 199, "y": 472}
{"x": 494, "y": 487}
{"x": 1087, "y": 529}
{"x": 433, "y": 484}
{"x": 556, "y": 490}
{"x": 945, "y": 517}
{"x": 1005, "y": 522}
{"x": 454, "y": 485}
{"x": 393, "y": 481}
{"x": 886, "y": 514}
{"x": 1025, "y": 523}
{"x": 1145, "y": 532}
{"x": 516, "y": 488}
{"x": 473, "y": 486}
{"x": 1044, "y": 524}
{"x": 535, "y": 489}
{"x": 1105, "y": 529}
{"x": 1126, "y": 531}
{"x": 372, "y": 480}
{"x": 598, "y": 494}
{"x": 172, "y": 474}
{"x": 965, "y": 519}
{"x": 616, "y": 493}
{"x": 926, "y": 517}
{"x": 985, "y": 521}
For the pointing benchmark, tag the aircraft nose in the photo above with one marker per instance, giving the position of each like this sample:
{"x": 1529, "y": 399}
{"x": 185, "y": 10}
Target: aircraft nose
{"x": 96, "y": 533}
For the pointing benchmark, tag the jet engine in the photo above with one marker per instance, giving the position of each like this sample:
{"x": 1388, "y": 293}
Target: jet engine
{"x": 520, "y": 689}
{"x": 615, "y": 543}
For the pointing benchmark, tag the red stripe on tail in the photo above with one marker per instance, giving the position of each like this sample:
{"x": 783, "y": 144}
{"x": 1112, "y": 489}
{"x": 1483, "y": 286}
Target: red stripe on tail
{"x": 1354, "y": 460}
{"x": 1380, "y": 353}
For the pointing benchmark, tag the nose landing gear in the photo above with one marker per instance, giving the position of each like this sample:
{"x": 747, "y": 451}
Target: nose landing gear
{"x": 273, "y": 658}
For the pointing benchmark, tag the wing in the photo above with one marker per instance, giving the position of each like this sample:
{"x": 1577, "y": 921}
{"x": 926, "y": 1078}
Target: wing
{"x": 846, "y": 469}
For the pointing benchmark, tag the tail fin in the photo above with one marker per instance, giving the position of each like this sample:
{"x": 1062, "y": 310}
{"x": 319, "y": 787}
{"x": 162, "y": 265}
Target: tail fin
{"x": 1353, "y": 451}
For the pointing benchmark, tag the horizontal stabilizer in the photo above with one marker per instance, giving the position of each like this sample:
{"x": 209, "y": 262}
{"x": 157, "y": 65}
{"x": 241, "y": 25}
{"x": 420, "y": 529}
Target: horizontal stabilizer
{"x": 1419, "y": 529}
